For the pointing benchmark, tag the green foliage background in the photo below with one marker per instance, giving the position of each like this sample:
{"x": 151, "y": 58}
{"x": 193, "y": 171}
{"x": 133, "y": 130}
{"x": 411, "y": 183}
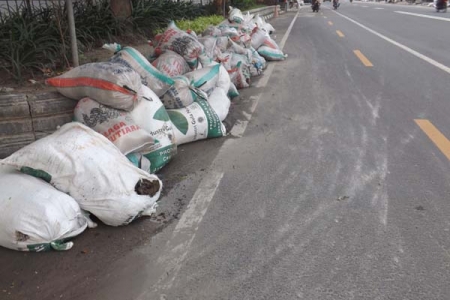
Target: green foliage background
{"x": 38, "y": 39}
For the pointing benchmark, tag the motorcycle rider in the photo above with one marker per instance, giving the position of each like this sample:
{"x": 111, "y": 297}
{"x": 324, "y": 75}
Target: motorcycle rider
{"x": 336, "y": 3}
{"x": 314, "y": 3}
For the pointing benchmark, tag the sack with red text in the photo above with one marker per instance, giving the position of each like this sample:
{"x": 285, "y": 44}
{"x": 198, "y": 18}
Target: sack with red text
{"x": 84, "y": 164}
{"x": 111, "y": 84}
{"x": 171, "y": 64}
{"x": 117, "y": 126}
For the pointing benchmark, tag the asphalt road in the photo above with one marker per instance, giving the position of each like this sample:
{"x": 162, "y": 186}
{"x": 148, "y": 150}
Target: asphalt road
{"x": 334, "y": 191}
{"x": 334, "y": 182}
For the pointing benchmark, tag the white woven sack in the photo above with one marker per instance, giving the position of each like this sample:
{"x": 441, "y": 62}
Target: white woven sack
{"x": 219, "y": 102}
{"x": 258, "y": 37}
{"x": 195, "y": 122}
{"x": 181, "y": 42}
{"x": 271, "y": 54}
{"x": 111, "y": 84}
{"x": 77, "y": 160}
{"x": 34, "y": 215}
{"x": 151, "y": 115}
{"x": 180, "y": 94}
{"x": 235, "y": 15}
{"x": 117, "y": 126}
{"x": 171, "y": 64}
{"x": 156, "y": 80}
{"x": 206, "y": 78}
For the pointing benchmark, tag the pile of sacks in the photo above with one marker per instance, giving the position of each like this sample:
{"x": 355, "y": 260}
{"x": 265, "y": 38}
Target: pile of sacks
{"x": 131, "y": 116}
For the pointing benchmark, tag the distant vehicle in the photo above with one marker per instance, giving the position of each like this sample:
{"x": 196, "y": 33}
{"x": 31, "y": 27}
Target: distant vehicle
{"x": 306, "y": 1}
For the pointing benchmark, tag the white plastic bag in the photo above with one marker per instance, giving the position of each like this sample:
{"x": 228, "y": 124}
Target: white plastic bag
{"x": 77, "y": 160}
{"x": 151, "y": 115}
{"x": 34, "y": 215}
{"x": 150, "y": 76}
{"x": 195, "y": 122}
{"x": 111, "y": 84}
{"x": 117, "y": 126}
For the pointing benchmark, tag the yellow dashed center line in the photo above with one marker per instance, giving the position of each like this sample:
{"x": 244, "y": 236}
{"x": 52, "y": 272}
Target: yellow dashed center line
{"x": 362, "y": 58}
{"x": 330, "y": 23}
{"x": 339, "y": 33}
{"x": 435, "y": 136}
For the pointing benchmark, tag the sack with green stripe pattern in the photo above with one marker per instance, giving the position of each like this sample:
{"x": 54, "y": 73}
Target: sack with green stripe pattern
{"x": 151, "y": 115}
{"x": 150, "y": 76}
{"x": 191, "y": 86}
{"x": 35, "y": 216}
{"x": 205, "y": 78}
{"x": 195, "y": 122}
{"x": 271, "y": 53}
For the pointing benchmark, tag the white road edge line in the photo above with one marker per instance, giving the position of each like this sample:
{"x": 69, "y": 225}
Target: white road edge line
{"x": 422, "y": 16}
{"x": 407, "y": 49}
{"x": 239, "y": 127}
{"x": 179, "y": 244}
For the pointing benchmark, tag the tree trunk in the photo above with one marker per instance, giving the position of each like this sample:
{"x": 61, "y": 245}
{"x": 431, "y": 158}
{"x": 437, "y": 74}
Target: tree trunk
{"x": 121, "y": 9}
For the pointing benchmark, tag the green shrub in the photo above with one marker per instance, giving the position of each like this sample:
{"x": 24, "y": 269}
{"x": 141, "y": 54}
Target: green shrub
{"x": 27, "y": 42}
{"x": 150, "y": 15}
{"x": 243, "y": 4}
{"x": 199, "y": 24}
{"x": 39, "y": 38}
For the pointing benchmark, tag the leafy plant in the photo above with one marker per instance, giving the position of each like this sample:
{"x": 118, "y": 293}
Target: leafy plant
{"x": 199, "y": 24}
{"x": 150, "y": 15}
{"x": 243, "y": 4}
{"x": 26, "y": 42}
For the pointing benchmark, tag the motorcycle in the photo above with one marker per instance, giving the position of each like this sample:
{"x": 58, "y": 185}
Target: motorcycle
{"x": 441, "y": 5}
{"x": 315, "y": 6}
{"x": 335, "y": 4}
